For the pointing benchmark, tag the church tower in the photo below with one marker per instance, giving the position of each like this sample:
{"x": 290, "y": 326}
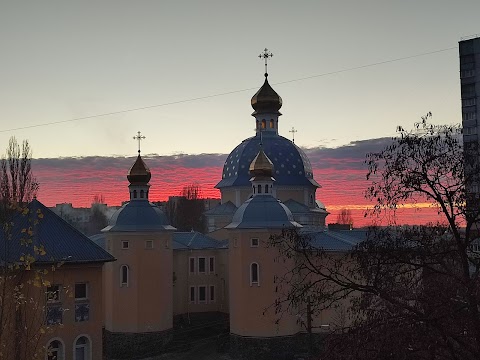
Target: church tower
{"x": 139, "y": 285}
{"x": 254, "y": 267}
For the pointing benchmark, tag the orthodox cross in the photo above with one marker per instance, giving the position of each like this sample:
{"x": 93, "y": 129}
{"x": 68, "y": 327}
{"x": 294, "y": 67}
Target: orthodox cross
{"x": 139, "y": 137}
{"x": 293, "y": 131}
{"x": 265, "y": 55}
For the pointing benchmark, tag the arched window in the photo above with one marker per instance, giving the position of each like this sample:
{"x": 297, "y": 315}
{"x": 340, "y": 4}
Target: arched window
{"x": 55, "y": 350}
{"x": 311, "y": 199}
{"x": 254, "y": 189}
{"x": 142, "y": 194}
{"x": 124, "y": 275}
{"x": 134, "y": 194}
{"x": 259, "y": 188}
{"x": 264, "y": 124}
{"x": 254, "y": 274}
{"x": 82, "y": 348}
{"x": 272, "y": 124}
{"x": 266, "y": 189}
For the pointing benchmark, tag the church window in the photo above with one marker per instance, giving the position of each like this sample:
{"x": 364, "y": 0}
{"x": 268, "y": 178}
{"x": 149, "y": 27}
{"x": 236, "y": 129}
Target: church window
{"x": 272, "y": 124}
{"x": 125, "y": 245}
{"x": 192, "y": 294}
{"x": 191, "y": 265}
{"x": 259, "y": 188}
{"x": 81, "y": 291}
{"x": 235, "y": 242}
{"x": 134, "y": 194}
{"x": 202, "y": 294}
{"x": 53, "y": 293}
{"x": 254, "y": 189}
{"x": 211, "y": 265}
{"x": 264, "y": 124}
{"x": 142, "y": 194}
{"x": 212, "y": 293}
{"x": 254, "y": 242}
{"x": 257, "y": 124}
{"x": 266, "y": 189}
{"x": 254, "y": 274}
{"x": 124, "y": 275}
{"x": 55, "y": 350}
{"x": 311, "y": 199}
{"x": 202, "y": 266}
{"x": 82, "y": 348}
{"x": 149, "y": 244}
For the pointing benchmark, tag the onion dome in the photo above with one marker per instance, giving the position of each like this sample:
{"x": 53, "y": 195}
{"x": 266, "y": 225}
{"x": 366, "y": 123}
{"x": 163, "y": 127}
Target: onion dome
{"x": 139, "y": 173}
{"x": 261, "y": 166}
{"x": 266, "y": 100}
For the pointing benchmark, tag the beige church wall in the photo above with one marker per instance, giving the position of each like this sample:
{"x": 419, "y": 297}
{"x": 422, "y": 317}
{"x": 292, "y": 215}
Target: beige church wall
{"x": 146, "y": 304}
{"x": 252, "y": 310}
{"x": 185, "y": 279}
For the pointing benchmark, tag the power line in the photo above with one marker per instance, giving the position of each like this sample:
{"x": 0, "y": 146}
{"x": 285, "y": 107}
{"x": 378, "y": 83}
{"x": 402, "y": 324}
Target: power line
{"x": 228, "y": 92}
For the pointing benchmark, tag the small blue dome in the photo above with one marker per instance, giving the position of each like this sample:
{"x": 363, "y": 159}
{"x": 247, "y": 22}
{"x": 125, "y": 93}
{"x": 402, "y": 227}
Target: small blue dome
{"x": 291, "y": 165}
{"x": 260, "y": 212}
{"x": 138, "y": 216}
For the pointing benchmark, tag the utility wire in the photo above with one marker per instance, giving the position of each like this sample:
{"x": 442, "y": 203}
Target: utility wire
{"x": 226, "y": 93}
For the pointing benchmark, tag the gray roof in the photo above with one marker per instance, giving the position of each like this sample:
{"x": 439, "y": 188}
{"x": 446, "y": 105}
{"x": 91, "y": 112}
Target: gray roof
{"x": 336, "y": 240}
{"x": 262, "y": 211}
{"x": 60, "y": 241}
{"x": 196, "y": 241}
{"x": 138, "y": 215}
{"x": 227, "y": 208}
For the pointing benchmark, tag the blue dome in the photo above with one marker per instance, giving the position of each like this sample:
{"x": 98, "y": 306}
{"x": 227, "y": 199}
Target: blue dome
{"x": 291, "y": 165}
{"x": 139, "y": 215}
{"x": 262, "y": 211}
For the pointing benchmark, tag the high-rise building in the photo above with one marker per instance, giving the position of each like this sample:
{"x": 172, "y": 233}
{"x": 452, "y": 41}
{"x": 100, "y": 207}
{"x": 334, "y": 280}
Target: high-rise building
{"x": 470, "y": 88}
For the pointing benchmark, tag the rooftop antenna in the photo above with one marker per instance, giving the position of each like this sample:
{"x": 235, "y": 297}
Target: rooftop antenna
{"x": 265, "y": 55}
{"x": 293, "y": 131}
{"x": 139, "y": 137}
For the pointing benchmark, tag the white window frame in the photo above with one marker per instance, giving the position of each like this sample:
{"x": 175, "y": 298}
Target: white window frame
{"x": 125, "y": 245}
{"x": 198, "y": 265}
{"x": 198, "y": 294}
{"x": 122, "y": 283}
{"x": 149, "y": 244}
{"x": 190, "y": 268}
{"x": 194, "y": 301}
{"x": 62, "y": 350}
{"x": 88, "y": 346}
{"x": 59, "y": 294}
{"x": 252, "y": 244}
{"x": 256, "y": 283}
{"x": 86, "y": 291}
{"x": 210, "y": 299}
{"x": 211, "y": 260}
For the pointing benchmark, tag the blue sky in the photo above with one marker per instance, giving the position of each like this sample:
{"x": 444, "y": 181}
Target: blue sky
{"x": 68, "y": 59}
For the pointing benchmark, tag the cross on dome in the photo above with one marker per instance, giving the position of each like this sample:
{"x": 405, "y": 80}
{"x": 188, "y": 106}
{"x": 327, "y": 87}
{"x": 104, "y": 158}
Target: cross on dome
{"x": 265, "y": 55}
{"x": 139, "y": 137}
{"x": 293, "y": 131}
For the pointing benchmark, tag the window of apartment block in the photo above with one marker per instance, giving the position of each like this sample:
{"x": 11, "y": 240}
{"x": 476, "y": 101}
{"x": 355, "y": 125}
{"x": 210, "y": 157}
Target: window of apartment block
{"x": 470, "y": 130}
{"x": 148, "y": 244}
{"x": 254, "y": 242}
{"x": 469, "y": 116}
{"x": 191, "y": 265}
{"x": 81, "y": 291}
{"x": 202, "y": 266}
{"x": 469, "y": 102}
{"x": 192, "y": 294}
{"x": 125, "y": 245}
{"x": 211, "y": 265}
{"x": 467, "y": 73}
{"x": 212, "y": 293}
{"x": 53, "y": 293}
{"x": 202, "y": 294}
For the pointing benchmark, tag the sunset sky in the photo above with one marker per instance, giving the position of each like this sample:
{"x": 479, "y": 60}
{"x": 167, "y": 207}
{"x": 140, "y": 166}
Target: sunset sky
{"x": 183, "y": 73}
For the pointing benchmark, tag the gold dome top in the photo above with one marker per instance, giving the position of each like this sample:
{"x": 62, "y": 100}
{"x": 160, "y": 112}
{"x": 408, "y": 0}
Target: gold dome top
{"x": 261, "y": 166}
{"x": 266, "y": 100}
{"x": 139, "y": 173}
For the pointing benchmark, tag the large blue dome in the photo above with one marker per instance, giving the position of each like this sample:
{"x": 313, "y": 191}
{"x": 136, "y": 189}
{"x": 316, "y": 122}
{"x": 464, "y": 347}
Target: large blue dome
{"x": 291, "y": 165}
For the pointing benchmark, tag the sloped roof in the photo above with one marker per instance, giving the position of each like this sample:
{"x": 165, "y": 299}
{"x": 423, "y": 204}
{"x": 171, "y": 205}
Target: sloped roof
{"x": 336, "y": 240}
{"x": 194, "y": 240}
{"x": 227, "y": 208}
{"x": 40, "y": 227}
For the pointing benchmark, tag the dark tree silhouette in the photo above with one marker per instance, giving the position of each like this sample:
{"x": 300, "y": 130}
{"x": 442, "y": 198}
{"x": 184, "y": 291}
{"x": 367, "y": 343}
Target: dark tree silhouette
{"x": 185, "y": 212}
{"x": 412, "y": 291}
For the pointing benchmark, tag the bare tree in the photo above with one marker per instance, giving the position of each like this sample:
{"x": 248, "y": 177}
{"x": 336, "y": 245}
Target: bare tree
{"x": 345, "y": 217}
{"x": 185, "y": 212}
{"x": 21, "y": 309}
{"x": 412, "y": 291}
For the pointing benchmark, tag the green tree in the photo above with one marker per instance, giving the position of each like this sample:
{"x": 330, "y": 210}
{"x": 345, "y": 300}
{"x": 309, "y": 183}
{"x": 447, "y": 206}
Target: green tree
{"x": 412, "y": 291}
